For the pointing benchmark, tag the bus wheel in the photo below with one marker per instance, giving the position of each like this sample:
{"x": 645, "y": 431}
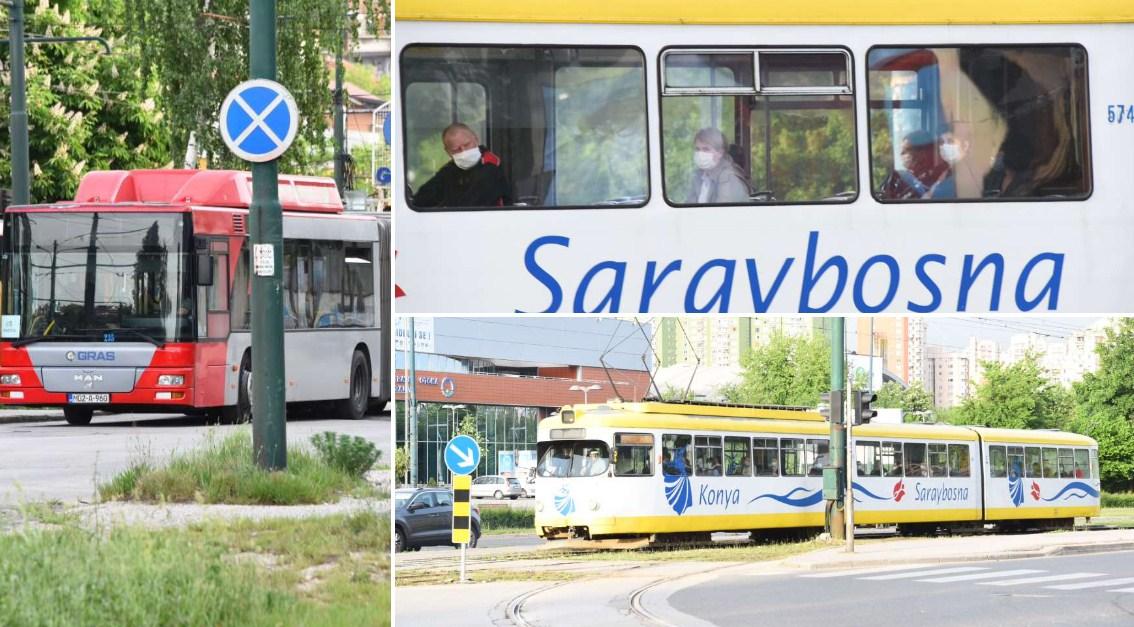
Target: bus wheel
{"x": 354, "y": 407}
{"x": 242, "y": 411}
{"x": 78, "y": 415}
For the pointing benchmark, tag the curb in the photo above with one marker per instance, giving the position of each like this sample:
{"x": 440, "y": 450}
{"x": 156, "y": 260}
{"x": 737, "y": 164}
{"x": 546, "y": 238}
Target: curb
{"x": 1069, "y": 549}
{"x": 23, "y": 419}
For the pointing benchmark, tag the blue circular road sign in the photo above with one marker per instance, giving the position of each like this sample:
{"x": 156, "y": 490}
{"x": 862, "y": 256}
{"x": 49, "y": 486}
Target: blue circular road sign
{"x": 258, "y": 120}
{"x": 383, "y": 175}
{"x": 462, "y": 455}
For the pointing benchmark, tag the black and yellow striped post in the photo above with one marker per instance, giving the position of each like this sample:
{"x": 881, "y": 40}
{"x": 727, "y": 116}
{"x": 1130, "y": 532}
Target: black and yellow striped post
{"x": 462, "y": 515}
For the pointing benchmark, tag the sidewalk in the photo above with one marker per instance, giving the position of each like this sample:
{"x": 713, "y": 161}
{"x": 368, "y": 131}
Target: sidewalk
{"x": 964, "y": 548}
{"x": 41, "y": 414}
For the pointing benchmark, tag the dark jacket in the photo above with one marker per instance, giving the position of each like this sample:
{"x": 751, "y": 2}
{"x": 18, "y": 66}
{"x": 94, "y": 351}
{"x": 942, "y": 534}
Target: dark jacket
{"x": 483, "y": 185}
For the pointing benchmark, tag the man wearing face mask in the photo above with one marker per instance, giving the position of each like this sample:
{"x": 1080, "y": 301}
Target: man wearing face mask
{"x": 473, "y": 178}
{"x": 962, "y": 181}
{"x": 716, "y": 177}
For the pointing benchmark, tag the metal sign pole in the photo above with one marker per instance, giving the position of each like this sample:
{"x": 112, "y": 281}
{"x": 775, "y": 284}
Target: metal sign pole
{"x": 464, "y": 579}
{"x": 18, "y": 116}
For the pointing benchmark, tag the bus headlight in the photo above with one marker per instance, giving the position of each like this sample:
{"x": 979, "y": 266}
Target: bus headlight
{"x": 171, "y": 379}
{"x": 9, "y": 379}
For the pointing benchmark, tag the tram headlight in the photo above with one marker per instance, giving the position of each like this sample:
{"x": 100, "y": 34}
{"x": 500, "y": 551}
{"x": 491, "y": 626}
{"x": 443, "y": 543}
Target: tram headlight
{"x": 539, "y": 506}
{"x": 593, "y": 505}
{"x": 10, "y": 379}
{"x": 171, "y": 379}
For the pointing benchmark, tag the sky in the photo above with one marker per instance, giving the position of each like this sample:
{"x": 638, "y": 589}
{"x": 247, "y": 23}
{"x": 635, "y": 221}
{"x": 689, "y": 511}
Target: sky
{"x": 954, "y": 333}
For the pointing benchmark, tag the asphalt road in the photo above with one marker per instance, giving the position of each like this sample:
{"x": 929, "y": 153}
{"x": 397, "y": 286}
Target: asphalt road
{"x": 1095, "y": 589}
{"x": 55, "y": 461}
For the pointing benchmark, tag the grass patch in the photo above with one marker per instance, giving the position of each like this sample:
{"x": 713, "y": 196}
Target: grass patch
{"x": 508, "y": 530}
{"x": 222, "y": 471}
{"x": 1116, "y": 516}
{"x": 242, "y": 573}
{"x": 1117, "y": 499}
{"x": 492, "y": 519}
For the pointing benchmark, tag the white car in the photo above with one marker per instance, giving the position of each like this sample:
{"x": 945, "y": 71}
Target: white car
{"x": 496, "y": 487}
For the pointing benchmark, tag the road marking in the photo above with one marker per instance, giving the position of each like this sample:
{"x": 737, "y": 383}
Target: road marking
{"x": 868, "y": 571}
{"x": 993, "y": 575}
{"x": 1122, "y": 590}
{"x": 940, "y": 571}
{"x": 1092, "y": 584}
{"x": 1029, "y": 580}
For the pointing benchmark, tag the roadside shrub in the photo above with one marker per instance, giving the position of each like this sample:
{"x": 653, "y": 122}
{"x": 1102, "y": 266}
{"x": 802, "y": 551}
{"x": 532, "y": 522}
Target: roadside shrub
{"x": 351, "y": 454}
{"x": 1118, "y": 499}
{"x": 507, "y": 518}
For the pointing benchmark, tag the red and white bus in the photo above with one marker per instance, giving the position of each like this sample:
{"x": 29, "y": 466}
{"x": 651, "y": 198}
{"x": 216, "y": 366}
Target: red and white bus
{"x": 136, "y": 297}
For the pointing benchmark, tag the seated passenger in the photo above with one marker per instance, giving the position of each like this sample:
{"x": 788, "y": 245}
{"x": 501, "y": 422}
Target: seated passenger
{"x": 716, "y": 177}
{"x": 473, "y": 178}
{"x": 921, "y": 170}
{"x": 961, "y": 180}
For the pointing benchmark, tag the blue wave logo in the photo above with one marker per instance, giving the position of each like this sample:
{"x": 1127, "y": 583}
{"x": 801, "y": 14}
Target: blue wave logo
{"x": 1016, "y": 487}
{"x": 563, "y": 502}
{"x": 1077, "y": 489}
{"x": 811, "y": 498}
{"x": 858, "y": 489}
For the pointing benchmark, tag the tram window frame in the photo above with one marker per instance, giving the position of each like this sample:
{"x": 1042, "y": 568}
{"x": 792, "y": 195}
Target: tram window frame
{"x": 959, "y": 463}
{"x": 1050, "y": 462}
{"x": 868, "y": 457}
{"x": 1082, "y": 125}
{"x": 796, "y": 449}
{"x": 621, "y": 202}
{"x": 633, "y": 453}
{"x": 763, "y": 98}
{"x": 670, "y": 444}
{"x": 892, "y": 451}
{"x": 700, "y": 462}
{"x": 762, "y": 464}
{"x": 733, "y": 467}
{"x": 1066, "y": 463}
{"x": 1082, "y": 464}
{"x": 997, "y": 462}
{"x": 818, "y": 452}
{"x": 938, "y": 459}
{"x": 1094, "y": 461}
{"x": 912, "y": 451}
{"x": 1033, "y": 462}
{"x": 1016, "y": 456}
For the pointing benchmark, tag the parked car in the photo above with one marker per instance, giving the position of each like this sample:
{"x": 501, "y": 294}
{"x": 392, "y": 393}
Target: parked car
{"x": 424, "y": 517}
{"x": 496, "y": 487}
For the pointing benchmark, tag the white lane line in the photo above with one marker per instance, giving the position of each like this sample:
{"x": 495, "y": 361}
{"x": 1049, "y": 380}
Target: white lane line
{"x": 1122, "y": 590}
{"x": 868, "y": 571}
{"x": 940, "y": 571}
{"x": 1048, "y": 578}
{"x": 1092, "y": 584}
{"x": 993, "y": 575}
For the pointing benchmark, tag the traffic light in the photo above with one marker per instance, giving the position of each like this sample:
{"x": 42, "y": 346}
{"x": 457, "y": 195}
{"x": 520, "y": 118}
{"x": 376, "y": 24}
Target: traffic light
{"x": 5, "y": 199}
{"x": 831, "y": 406}
{"x": 862, "y": 410}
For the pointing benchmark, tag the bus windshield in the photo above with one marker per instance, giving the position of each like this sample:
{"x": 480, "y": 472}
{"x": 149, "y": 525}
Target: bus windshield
{"x": 98, "y": 276}
{"x": 588, "y": 458}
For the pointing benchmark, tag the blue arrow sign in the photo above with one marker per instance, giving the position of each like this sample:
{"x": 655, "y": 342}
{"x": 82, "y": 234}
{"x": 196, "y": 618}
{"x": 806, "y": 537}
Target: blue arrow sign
{"x": 383, "y": 175}
{"x": 258, "y": 120}
{"x": 462, "y": 455}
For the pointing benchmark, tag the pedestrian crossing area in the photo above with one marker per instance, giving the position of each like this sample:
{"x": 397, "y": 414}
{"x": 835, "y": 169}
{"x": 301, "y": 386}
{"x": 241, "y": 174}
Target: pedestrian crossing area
{"x": 1003, "y": 577}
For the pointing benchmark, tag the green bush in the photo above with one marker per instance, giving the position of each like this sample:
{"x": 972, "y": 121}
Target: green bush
{"x": 351, "y": 454}
{"x": 1118, "y": 499}
{"x": 506, "y": 518}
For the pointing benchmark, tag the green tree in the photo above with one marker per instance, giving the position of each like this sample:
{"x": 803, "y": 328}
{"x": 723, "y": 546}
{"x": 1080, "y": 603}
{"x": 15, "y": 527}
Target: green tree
{"x": 401, "y": 465}
{"x": 1105, "y": 406}
{"x": 1017, "y": 396}
{"x": 86, "y": 110}
{"x": 786, "y": 371}
{"x": 467, "y": 426}
{"x": 890, "y": 394}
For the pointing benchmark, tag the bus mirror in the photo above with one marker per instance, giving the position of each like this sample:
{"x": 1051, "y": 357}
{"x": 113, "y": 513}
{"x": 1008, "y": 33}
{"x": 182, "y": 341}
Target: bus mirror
{"x": 204, "y": 269}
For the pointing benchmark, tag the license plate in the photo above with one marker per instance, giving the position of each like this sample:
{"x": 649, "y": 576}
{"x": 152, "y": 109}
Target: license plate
{"x": 88, "y": 398}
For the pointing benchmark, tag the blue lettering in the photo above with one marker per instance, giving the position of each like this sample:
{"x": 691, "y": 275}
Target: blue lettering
{"x": 613, "y": 295}
{"x": 859, "y": 300}
{"x": 95, "y": 355}
{"x": 969, "y": 276}
{"x": 929, "y": 283}
{"x": 722, "y": 294}
{"x": 651, "y": 284}
{"x": 1050, "y": 289}
{"x": 542, "y": 275}
{"x": 811, "y": 277}
{"x": 759, "y": 303}
{"x": 713, "y": 497}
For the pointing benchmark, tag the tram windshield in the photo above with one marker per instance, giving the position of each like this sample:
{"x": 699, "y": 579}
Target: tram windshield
{"x": 588, "y": 458}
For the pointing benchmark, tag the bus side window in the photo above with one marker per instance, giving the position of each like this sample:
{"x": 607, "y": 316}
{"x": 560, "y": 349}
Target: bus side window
{"x": 959, "y": 460}
{"x": 997, "y": 462}
{"x": 867, "y": 459}
{"x": 676, "y": 456}
{"x": 1050, "y": 463}
{"x": 765, "y": 455}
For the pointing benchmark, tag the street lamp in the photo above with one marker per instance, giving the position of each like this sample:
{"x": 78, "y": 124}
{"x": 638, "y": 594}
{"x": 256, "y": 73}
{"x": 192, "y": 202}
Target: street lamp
{"x": 584, "y": 389}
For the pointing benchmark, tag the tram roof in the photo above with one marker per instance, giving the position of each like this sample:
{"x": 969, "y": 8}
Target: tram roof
{"x": 1013, "y": 436}
{"x": 735, "y": 12}
{"x": 716, "y": 410}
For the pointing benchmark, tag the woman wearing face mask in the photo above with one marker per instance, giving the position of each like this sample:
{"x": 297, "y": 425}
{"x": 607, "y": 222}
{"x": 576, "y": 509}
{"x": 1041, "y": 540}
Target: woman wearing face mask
{"x": 961, "y": 181}
{"x": 716, "y": 177}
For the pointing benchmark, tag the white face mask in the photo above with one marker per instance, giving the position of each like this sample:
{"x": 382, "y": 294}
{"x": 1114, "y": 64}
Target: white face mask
{"x": 705, "y": 160}
{"x": 467, "y": 158}
{"x": 951, "y": 153}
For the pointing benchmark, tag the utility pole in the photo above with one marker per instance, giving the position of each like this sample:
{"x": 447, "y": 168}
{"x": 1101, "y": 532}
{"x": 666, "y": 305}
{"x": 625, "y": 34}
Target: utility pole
{"x": 411, "y": 403}
{"x": 835, "y": 472}
{"x": 269, "y": 423}
{"x": 21, "y": 190}
{"x": 340, "y": 124}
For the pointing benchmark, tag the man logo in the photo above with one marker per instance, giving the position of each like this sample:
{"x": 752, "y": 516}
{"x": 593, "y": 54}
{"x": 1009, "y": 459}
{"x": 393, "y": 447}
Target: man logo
{"x": 87, "y": 380}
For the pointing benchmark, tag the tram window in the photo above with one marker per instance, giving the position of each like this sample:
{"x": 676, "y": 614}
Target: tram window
{"x": 1066, "y": 463}
{"x": 1033, "y": 467}
{"x": 959, "y": 460}
{"x": 997, "y": 462}
{"x": 868, "y": 459}
{"x": 1094, "y": 462}
{"x": 765, "y": 454}
{"x": 792, "y": 459}
{"x": 1082, "y": 465}
{"x": 633, "y": 454}
{"x": 708, "y": 456}
{"x": 979, "y": 122}
{"x": 784, "y": 136}
{"x": 587, "y": 458}
{"x": 892, "y": 459}
{"x": 737, "y": 462}
{"x": 676, "y": 456}
{"x": 1050, "y": 463}
{"x": 1015, "y": 461}
{"x": 567, "y": 126}
{"x": 817, "y": 451}
{"x": 938, "y": 460}
{"x": 916, "y": 465}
